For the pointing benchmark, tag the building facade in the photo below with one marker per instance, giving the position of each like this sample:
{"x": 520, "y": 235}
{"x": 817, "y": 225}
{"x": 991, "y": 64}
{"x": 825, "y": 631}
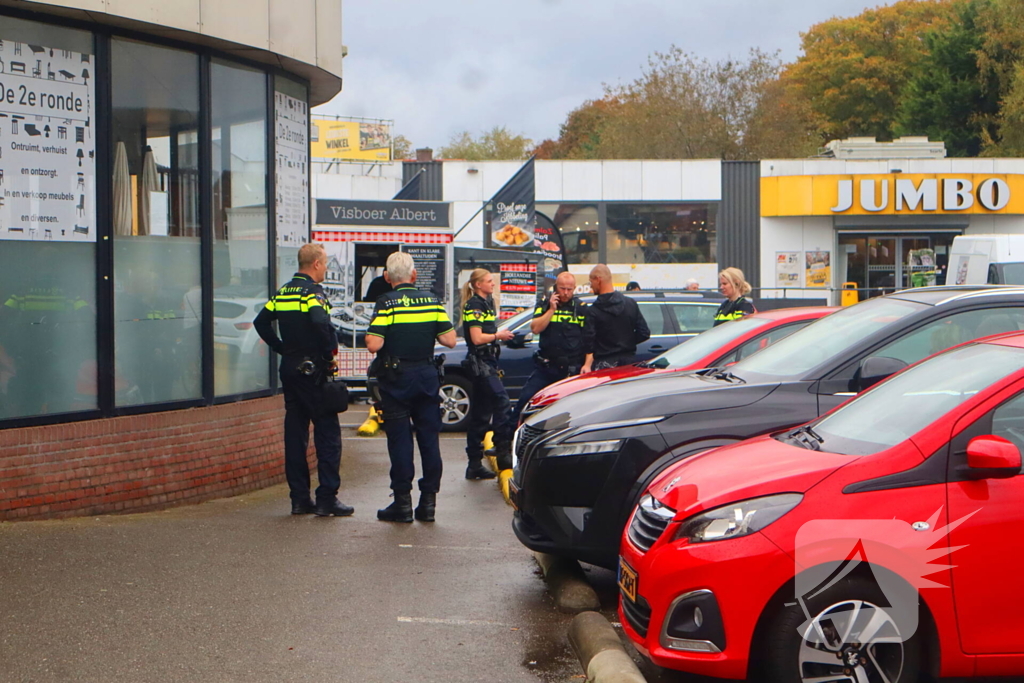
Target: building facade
{"x": 154, "y": 168}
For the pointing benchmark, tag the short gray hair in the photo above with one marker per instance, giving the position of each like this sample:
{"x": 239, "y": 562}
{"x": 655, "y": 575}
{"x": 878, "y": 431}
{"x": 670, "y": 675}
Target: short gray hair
{"x": 400, "y": 267}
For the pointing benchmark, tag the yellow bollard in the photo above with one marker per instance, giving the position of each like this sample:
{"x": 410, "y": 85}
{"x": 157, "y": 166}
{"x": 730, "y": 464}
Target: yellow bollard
{"x": 503, "y": 478}
{"x": 849, "y": 296}
{"x": 489, "y": 441}
{"x": 371, "y": 425}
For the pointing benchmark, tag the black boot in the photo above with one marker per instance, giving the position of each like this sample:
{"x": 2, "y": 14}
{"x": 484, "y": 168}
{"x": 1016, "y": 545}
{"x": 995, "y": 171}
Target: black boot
{"x": 503, "y": 454}
{"x": 477, "y": 470}
{"x": 399, "y": 511}
{"x": 425, "y": 510}
{"x": 332, "y": 508}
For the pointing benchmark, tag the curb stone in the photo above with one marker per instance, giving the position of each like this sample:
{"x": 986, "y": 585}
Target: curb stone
{"x": 569, "y": 587}
{"x": 600, "y": 651}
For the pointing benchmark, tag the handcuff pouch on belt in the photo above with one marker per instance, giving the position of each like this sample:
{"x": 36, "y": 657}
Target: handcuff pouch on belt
{"x": 384, "y": 368}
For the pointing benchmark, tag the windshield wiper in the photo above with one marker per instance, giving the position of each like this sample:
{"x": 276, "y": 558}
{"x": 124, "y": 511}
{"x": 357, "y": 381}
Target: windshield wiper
{"x": 721, "y": 374}
{"x": 807, "y": 437}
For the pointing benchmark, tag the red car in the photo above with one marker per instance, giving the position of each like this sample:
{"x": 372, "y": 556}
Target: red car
{"x": 876, "y": 542}
{"x": 718, "y": 346}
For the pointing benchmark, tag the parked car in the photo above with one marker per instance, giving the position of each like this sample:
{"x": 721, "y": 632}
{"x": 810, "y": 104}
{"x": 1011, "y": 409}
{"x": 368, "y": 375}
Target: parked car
{"x": 871, "y": 544}
{"x": 722, "y": 345}
{"x": 672, "y": 318}
{"x": 584, "y": 462}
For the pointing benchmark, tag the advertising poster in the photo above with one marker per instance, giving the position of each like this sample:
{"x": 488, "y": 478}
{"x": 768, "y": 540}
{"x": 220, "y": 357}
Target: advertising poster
{"x": 787, "y": 269}
{"x": 431, "y": 266}
{"x": 511, "y": 217}
{"x": 48, "y": 157}
{"x": 818, "y": 266}
{"x": 518, "y": 288}
{"x": 291, "y": 121}
{"x": 350, "y": 140}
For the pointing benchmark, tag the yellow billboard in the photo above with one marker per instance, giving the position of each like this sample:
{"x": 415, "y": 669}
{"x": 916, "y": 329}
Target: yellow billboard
{"x": 349, "y": 140}
{"x": 892, "y": 194}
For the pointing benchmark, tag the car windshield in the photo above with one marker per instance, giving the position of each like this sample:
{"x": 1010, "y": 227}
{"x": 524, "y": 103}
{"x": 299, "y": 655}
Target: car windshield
{"x": 825, "y": 339}
{"x": 904, "y": 405}
{"x": 707, "y": 342}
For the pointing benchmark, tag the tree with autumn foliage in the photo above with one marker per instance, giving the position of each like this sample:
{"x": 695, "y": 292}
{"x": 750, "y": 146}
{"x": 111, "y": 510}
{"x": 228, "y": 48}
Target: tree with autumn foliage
{"x": 853, "y": 71}
{"x": 497, "y": 144}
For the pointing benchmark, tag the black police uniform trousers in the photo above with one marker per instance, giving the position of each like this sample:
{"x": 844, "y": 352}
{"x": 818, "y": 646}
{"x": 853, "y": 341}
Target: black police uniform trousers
{"x": 413, "y": 395}
{"x": 542, "y": 376}
{"x": 302, "y": 397}
{"x": 489, "y": 411}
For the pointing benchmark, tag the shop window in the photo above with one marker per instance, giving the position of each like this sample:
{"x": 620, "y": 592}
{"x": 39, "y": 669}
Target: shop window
{"x": 661, "y": 233}
{"x": 47, "y": 220}
{"x": 580, "y": 228}
{"x": 240, "y": 225}
{"x": 157, "y": 292}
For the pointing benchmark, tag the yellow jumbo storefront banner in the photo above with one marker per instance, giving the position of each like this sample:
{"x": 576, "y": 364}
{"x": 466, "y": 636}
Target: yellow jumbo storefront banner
{"x": 338, "y": 140}
{"x": 892, "y": 194}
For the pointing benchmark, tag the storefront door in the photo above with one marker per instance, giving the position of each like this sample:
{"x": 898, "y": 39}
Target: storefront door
{"x": 881, "y": 264}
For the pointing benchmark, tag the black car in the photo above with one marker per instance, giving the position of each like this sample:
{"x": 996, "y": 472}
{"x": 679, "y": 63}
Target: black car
{"x": 583, "y": 462}
{"x": 672, "y": 318}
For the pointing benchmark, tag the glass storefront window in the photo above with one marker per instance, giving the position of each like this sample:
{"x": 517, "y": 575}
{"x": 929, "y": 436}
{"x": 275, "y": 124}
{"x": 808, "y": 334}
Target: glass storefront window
{"x": 47, "y": 220}
{"x": 580, "y": 228}
{"x": 661, "y": 233}
{"x": 157, "y": 291}
{"x": 240, "y": 226}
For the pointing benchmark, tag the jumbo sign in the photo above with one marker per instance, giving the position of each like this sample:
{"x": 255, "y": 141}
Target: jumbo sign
{"x": 892, "y": 194}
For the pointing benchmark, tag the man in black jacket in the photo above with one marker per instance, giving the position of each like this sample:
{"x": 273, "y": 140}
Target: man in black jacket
{"x": 616, "y": 325}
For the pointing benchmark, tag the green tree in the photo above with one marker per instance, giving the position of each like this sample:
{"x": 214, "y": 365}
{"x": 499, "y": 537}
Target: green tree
{"x": 947, "y": 97}
{"x": 402, "y": 147}
{"x": 853, "y": 71}
{"x": 1001, "y": 57}
{"x": 495, "y": 144}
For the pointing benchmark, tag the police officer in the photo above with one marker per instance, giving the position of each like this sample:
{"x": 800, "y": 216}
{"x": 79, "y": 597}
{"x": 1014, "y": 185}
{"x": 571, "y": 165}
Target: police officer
{"x": 490, "y": 407}
{"x": 560, "y": 321}
{"x": 734, "y": 288}
{"x": 406, "y": 321}
{"x": 307, "y": 346}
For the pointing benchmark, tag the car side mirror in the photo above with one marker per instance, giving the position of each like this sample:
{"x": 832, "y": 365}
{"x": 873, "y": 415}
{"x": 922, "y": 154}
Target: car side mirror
{"x": 876, "y": 368}
{"x": 992, "y": 457}
{"x": 519, "y": 340}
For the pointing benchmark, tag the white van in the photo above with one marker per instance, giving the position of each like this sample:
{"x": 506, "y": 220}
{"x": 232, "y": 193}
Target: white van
{"x": 986, "y": 259}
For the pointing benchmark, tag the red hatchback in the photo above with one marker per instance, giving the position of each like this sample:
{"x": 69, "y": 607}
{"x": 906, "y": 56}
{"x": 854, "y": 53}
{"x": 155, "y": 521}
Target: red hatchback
{"x": 718, "y": 346}
{"x": 878, "y": 541}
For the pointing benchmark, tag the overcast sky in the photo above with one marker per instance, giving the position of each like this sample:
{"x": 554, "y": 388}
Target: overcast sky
{"x": 438, "y": 67}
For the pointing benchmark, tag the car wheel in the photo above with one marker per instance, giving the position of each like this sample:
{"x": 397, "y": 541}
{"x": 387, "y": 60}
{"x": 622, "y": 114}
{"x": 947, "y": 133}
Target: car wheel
{"x": 845, "y": 634}
{"x": 456, "y": 397}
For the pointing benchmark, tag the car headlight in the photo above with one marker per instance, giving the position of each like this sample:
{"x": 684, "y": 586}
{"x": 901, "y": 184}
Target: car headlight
{"x": 583, "y": 448}
{"x": 737, "y": 519}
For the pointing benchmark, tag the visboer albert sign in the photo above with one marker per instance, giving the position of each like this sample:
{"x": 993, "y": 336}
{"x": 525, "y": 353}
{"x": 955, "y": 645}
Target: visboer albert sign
{"x": 382, "y": 213}
{"x": 892, "y": 194}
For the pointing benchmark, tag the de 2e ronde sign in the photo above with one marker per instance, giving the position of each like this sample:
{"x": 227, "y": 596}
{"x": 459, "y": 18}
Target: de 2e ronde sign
{"x": 957, "y": 194}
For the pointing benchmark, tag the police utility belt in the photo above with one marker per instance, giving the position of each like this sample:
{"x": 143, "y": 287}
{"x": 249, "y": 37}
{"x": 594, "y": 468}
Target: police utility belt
{"x": 387, "y": 368}
{"x": 572, "y": 365}
{"x": 476, "y": 364}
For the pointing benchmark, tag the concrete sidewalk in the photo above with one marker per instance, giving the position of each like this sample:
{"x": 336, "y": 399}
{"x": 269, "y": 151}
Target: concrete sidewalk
{"x": 239, "y": 590}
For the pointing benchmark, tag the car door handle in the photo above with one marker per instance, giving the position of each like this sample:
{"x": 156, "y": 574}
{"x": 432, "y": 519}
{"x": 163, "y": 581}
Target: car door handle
{"x": 657, "y": 347}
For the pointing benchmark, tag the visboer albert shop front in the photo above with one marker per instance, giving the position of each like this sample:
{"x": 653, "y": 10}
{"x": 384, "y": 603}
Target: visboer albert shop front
{"x": 154, "y": 189}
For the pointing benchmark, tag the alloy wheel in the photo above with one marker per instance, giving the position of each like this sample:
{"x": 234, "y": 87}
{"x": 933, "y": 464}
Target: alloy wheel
{"x": 853, "y": 641}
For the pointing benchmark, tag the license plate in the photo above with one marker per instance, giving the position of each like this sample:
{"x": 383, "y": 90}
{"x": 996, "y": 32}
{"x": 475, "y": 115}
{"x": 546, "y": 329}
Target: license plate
{"x": 513, "y": 493}
{"x": 628, "y": 580}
